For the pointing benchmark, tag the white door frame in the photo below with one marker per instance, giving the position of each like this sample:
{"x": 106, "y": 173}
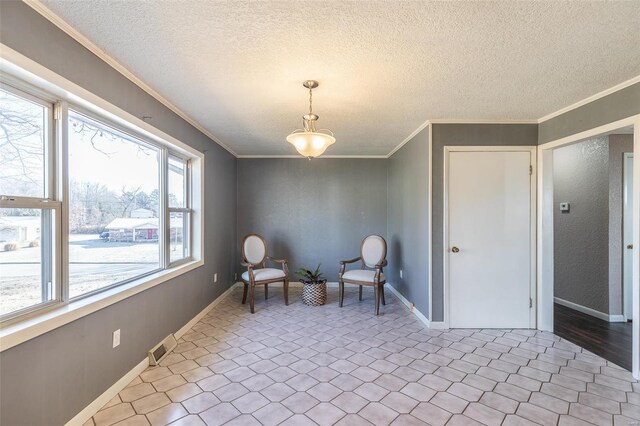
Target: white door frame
{"x": 627, "y": 314}
{"x": 533, "y": 240}
{"x": 545, "y": 227}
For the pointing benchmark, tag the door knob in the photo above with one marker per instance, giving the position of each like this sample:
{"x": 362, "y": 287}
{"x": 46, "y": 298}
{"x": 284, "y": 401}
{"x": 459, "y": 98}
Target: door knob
{"x": 455, "y": 249}
{"x": 630, "y": 246}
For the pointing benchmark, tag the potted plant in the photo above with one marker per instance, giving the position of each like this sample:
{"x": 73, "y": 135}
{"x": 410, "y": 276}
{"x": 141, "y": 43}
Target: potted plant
{"x": 314, "y": 291}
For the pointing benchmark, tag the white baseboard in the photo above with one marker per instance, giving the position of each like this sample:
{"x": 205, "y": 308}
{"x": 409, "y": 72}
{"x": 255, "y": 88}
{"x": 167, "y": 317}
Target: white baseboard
{"x": 589, "y": 311}
{"x": 91, "y": 409}
{"x": 438, "y": 325}
{"x": 409, "y": 305}
{"x": 617, "y": 318}
{"x": 178, "y": 334}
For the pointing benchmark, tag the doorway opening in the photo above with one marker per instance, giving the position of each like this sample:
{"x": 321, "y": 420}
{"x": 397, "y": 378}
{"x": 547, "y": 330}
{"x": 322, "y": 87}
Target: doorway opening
{"x": 587, "y": 203}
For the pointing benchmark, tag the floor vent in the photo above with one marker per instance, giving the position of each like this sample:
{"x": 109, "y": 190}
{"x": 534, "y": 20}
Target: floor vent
{"x": 162, "y": 349}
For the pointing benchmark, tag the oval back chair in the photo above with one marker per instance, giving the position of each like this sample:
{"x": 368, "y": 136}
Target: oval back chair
{"x": 254, "y": 258}
{"x": 373, "y": 253}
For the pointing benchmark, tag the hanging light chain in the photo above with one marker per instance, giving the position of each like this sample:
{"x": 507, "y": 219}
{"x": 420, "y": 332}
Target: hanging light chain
{"x": 310, "y": 101}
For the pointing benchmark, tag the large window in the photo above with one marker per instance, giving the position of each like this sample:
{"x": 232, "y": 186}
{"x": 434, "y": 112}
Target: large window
{"x": 28, "y": 213}
{"x": 114, "y": 206}
{"x": 86, "y": 203}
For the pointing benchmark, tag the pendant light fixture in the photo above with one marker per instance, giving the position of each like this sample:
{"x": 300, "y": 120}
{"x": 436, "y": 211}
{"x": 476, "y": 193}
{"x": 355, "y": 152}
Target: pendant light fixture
{"x": 308, "y": 141}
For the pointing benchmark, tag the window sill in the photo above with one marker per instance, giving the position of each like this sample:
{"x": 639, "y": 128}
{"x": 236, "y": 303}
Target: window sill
{"x": 16, "y": 333}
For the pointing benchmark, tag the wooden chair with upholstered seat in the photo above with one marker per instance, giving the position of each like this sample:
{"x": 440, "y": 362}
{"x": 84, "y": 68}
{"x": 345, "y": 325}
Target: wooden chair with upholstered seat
{"x": 254, "y": 258}
{"x": 373, "y": 253}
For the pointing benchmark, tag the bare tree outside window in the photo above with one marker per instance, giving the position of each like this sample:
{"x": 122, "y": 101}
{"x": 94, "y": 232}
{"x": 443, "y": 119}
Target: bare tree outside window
{"x": 114, "y": 206}
{"x": 124, "y": 200}
{"x": 23, "y": 130}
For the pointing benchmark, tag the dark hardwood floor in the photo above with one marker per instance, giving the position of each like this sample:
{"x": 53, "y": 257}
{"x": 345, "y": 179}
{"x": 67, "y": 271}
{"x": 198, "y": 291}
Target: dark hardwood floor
{"x": 610, "y": 340}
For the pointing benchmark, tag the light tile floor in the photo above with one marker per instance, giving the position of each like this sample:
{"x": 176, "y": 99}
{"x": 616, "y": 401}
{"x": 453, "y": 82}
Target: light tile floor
{"x": 302, "y": 365}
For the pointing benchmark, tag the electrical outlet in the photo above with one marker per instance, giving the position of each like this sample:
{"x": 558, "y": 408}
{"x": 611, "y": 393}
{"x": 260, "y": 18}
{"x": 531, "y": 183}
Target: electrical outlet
{"x": 215, "y": 277}
{"x": 400, "y": 273}
{"x": 116, "y": 338}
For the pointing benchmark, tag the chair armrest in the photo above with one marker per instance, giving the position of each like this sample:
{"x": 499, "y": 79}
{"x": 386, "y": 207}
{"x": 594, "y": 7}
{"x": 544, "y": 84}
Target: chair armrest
{"x": 343, "y": 264}
{"x": 249, "y": 267}
{"x": 378, "y": 268}
{"x": 283, "y": 262}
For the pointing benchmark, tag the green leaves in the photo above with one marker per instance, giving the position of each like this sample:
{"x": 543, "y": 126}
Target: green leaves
{"x": 308, "y": 275}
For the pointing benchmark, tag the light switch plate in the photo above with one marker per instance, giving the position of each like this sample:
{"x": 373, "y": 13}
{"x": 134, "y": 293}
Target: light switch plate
{"x": 565, "y": 207}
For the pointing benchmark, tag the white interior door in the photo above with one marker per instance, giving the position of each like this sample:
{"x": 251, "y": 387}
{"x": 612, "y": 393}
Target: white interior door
{"x": 489, "y": 237}
{"x": 627, "y": 237}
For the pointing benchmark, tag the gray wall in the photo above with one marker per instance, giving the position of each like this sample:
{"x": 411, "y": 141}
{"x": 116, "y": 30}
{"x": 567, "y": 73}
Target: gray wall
{"x": 49, "y": 379}
{"x": 314, "y": 211}
{"x": 618, "y": 145}
{"x": 581, "y": 237}
{"x": 408, "y": 221}
{"x": 463, "y": 135}
{"x": 588, "y": 239}
{"x": 613, "y": 107}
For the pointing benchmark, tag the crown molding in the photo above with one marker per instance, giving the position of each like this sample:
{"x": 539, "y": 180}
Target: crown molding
{"x": 93, "y": 48}
{"x": 456, "y": 121}
{"x": 482, "y": 121}
{"x": 408, "y": 138}
{"x": 571, "y": 107}
{"x": 80, "y": 38}
{"x": 299, "y": 157}
{"x": 591, "y": 98}
{"x": 564, "y": 110}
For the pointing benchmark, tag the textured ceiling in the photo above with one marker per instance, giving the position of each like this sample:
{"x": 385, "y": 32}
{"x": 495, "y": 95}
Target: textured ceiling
{"x": 384, "y": 68}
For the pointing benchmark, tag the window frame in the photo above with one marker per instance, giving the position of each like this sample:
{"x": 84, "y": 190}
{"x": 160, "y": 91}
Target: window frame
{"x": 47, "y": 202}
{"x": 60, "y": 96}
{"x": 127, "y": 134}
{"x": 186, "y": 210}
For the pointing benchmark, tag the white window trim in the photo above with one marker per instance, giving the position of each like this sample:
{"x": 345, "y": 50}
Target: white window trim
{"x": 186, "y": 209}
{"x": 14, "y": 64}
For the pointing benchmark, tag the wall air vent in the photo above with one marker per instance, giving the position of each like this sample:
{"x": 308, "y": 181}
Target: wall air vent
{"x": 162, "y": 349}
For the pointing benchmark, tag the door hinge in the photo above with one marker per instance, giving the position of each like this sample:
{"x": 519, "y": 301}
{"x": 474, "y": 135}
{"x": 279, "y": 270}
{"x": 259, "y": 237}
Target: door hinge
{"x": 530, "y": 303}
{"x": 57, "y": 111}
{"x": 530, "y": 170}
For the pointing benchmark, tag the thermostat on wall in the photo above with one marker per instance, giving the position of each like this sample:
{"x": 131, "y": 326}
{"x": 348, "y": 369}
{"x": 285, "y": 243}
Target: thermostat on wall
{"x": 564, "y": 207}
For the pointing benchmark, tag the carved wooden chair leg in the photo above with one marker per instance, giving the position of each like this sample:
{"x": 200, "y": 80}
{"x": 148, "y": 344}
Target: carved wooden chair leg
{"x": 244, "y": 293}
{"x": 286, "y": 292}
{"x": 384, "y": 302}
{"x": 251, "y": 298}
{"x": 266, "y": 291}
{"x": 341, "y": 292}
{"x": 376, "y": 290}
{"x": 360, "y": 293}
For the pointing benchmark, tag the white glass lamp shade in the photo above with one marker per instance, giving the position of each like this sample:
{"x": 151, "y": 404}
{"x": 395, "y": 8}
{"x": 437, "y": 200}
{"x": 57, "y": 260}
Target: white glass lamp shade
{"x": 310, "y": 144}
